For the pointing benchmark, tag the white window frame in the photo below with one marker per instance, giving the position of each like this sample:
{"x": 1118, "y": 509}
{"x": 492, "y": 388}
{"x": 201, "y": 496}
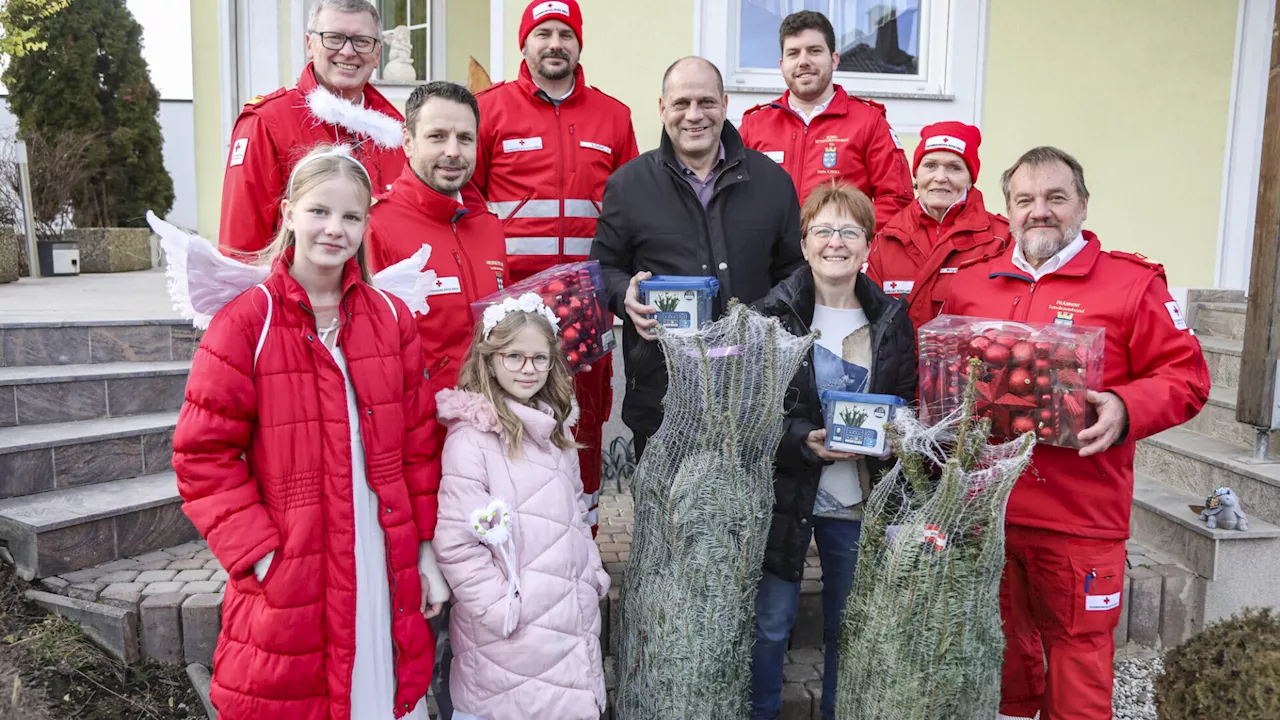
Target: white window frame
{"x": 954, "y": 91}
{"x": 929, "y": 82}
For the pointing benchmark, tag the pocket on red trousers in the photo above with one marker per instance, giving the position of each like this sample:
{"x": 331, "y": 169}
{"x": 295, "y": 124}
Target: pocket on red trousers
{"x": 1097, "y": 568}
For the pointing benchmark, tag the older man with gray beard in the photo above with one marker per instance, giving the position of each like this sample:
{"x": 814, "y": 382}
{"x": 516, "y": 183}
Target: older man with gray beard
{"x": 1068, "y": 516}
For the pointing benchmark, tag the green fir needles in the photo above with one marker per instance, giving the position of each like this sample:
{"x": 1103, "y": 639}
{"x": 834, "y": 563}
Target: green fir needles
{"x": 921, "y": 636}
{"x": 704, "y": 499}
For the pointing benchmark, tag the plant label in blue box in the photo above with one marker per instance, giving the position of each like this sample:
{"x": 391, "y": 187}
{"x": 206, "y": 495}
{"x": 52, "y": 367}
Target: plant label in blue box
{"x": 856, "y": 421}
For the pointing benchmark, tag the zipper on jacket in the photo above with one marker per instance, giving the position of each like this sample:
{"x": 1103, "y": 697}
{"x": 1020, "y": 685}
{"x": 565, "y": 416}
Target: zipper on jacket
{"x": 464, "y": 269}
{"x": 560, "y": 163}
{"x": 391, "y": 577}
{"x": 798, "y": 153}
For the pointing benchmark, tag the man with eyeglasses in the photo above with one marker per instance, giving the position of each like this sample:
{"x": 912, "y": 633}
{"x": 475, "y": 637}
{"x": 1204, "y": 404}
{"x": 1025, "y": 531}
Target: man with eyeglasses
{"x": 548, "y": 143}
{"x": 333, "y": 102}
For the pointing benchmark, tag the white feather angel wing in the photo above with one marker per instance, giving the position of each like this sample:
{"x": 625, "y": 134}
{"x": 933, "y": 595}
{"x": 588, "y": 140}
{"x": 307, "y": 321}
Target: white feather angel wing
{"x": 385, "y": 131}
{"x": 201, "y": 280}
{"x": 408, "y": 281}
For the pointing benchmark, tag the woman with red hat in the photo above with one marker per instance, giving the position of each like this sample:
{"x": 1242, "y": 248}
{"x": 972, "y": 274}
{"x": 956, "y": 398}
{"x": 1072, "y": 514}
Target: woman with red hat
{"x": 918, "y": 251}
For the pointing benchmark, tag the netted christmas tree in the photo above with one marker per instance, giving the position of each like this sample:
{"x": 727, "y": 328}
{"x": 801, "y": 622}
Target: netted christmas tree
{"x": 921, "y": 637}
{"x": 703, "y": 501}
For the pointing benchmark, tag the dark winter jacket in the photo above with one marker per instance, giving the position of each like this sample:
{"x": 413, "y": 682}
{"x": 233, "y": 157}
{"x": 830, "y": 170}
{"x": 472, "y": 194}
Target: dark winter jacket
{"x": 748, "y": 237}
{"x": 893, "y": 372}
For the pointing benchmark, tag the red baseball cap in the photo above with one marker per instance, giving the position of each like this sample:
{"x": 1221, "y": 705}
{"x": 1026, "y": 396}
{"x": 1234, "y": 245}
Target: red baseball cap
{"x": 540, "y": 11}
{"x": 955, "y": 137}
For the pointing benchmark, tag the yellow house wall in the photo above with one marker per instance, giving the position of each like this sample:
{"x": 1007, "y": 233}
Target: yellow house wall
{"x": 626, "y": 48}
{"x": 207, "y": 106}
{"x": 1139, "y": 92}
{"x": 467, "y": 25}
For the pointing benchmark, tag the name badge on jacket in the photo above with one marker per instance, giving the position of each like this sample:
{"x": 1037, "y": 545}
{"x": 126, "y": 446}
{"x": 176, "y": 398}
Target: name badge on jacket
{"x": 445, "y": 286}
{"x": 522, "y": 144}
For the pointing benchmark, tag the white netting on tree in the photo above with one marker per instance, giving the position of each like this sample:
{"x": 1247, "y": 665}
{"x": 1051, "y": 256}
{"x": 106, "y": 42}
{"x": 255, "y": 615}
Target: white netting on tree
{"x": 703, "y": 501}
{"x": 921, "y": 637}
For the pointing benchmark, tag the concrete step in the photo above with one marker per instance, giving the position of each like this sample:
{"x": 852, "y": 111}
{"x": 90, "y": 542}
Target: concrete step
{"x": 81, "y": 343}
{"x": 40, "y": 458}
{"x": 60, "y": 531}
{"x": 1198, "y": 464}
{"x": 1223, "y": 358}
{"x": 1220, "y": 320}
{"x": 1239, "y": 567}
{"x": 1200, "y": 296}
{"x": 1218, "y": 421}
{"x": 33, "y": 395}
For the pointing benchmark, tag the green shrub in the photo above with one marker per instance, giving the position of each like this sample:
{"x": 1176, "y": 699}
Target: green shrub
{"x": 1231, "y": 670}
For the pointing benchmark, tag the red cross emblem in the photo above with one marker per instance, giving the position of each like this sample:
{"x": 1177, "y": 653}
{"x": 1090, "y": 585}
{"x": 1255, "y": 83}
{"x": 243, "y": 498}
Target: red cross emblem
{"x": 439, "y": 284}
{"x": 893, "y": 286}
{"x": 522, "y": 142}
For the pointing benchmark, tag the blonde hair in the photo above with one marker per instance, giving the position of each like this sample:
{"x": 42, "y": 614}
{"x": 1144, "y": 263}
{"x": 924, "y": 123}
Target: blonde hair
{"x": 847, "y": 199}
{"x": 557, "y": 393}
{"x": 321, "y": 164}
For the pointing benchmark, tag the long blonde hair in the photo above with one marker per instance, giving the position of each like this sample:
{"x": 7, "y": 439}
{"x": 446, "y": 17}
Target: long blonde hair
{"x": 321, "y": 164}
{"x": 557, "y": 393}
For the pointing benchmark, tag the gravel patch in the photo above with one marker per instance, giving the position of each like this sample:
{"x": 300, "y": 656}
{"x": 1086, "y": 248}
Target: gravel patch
{"x": 1134, "y": 697}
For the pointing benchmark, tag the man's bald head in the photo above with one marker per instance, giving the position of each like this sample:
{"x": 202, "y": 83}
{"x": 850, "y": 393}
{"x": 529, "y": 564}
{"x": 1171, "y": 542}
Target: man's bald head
{"x": 693, "y": 64}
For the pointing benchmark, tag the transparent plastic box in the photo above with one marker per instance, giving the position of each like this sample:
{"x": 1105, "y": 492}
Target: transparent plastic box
{"x": 575, "y": 293}
{"x": 683, "y": 302}
{"x": 856, "y": 421}
{"x": 1034, "y": 376}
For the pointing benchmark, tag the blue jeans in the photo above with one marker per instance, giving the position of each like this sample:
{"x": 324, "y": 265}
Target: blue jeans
{"x": 776, "y": 606}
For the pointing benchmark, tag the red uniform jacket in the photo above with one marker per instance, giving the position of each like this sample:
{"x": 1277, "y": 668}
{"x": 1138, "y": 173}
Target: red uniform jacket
{"x": 262, "y": 451}
{"x": 271, "y": 134}
{"x": 915, "y": 257}
{"x": 850, "y": 140}
{"x": 542, "y": 167}
{"x": 1152, "y": 362}
{"x": 466, "y": 255}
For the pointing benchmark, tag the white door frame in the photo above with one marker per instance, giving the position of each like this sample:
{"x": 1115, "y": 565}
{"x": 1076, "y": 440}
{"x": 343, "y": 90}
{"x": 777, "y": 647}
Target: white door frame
{"x": 1243, "y": 154}
{"x": 497, "y": 39}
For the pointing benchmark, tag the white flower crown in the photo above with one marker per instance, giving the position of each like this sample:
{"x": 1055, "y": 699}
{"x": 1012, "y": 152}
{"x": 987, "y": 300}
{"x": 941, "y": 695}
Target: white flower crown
{"x": 528, "y": 302}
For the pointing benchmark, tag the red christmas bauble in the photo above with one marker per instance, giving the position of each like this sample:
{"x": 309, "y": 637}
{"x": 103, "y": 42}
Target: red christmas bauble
{"x": 1023, "y": 353}
{"x": 1043, "y": 349}
{"x": 572, "y": 357}
{"x": 1020, "y": 382}
{"x": 1044, "y": 416}
{"x": 562, "y": 312}
{"x": 996, "y": 354}
{"x": 555, "y": 287}
{"x": 1023, "y": 424}
{"x": 1047, "y": 432}
{"x": 978, "y": 346}
{"x": 1007, "y": 340}
{"x": 1041, "y": 365}
{"x": 1043, "y": 383}
{"x": 570, "y": 334}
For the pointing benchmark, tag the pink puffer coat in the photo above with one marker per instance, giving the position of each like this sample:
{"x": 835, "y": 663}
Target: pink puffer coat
{"x": 550, "y": 664}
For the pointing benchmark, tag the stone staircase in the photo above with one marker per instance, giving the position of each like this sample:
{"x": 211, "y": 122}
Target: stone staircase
{"x": 1180, "y": 467}
{"x": 87, "y": 412}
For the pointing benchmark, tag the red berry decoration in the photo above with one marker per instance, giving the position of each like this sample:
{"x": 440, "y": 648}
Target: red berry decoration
{"x": 1023, "y": 353}
{"x": 1020, "y": 382}
{"x": 996, "y": 354}
{"x": 1023, "y": 424}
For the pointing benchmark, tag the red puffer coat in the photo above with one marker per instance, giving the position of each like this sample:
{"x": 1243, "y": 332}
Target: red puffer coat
{"x": 263, "y": 457}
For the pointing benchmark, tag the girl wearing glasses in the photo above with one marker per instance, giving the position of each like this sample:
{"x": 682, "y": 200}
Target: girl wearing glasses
{"x": 513, "y": 539}
{"x": 867, "y": 345}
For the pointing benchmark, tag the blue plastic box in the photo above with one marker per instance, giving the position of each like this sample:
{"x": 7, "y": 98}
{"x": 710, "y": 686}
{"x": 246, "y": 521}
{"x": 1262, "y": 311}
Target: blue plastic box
{"x": 856, "y": 421}
{"x": 684, "y": 302}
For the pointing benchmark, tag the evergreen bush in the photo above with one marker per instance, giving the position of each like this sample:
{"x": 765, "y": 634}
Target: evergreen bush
{"x": 1231, "y": 670}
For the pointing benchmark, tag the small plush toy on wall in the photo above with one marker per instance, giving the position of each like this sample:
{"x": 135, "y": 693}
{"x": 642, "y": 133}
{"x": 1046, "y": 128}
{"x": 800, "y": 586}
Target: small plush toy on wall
{"x": 1222, "y": 511}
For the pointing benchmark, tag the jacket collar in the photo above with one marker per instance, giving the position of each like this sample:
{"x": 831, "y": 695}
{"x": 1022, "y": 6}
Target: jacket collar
{"x": 796, "y": 294}
{"x": 530, "y": 88}
{"x": 1079, "y": 266}
{"x": 291, "y": 291}
{"x": 734, "y": 150}
{"x": 436, "y": 205}
{"x": 839, "y": 104}
{"x": 456, "y": 407}
{"x": 969, "y": 217}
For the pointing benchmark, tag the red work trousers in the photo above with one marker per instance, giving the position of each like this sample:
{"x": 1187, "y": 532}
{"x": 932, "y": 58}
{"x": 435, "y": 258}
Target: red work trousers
{"x": 1060, "y": 602}
{"x": 594, "y": 389}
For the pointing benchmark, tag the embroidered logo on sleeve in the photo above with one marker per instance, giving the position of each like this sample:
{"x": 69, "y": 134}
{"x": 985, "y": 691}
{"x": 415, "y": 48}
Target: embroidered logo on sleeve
{"x": 522, "y": 144}
{"x": 1175, "y": 313}
{"x": 238, "y": 150}
{"x": 597, "y": 146}
{"x": 1094, "y": 603}
{"x": 896, "y": 142}
{"x": 445, "y": 286}
{"x": 775, "y": 155}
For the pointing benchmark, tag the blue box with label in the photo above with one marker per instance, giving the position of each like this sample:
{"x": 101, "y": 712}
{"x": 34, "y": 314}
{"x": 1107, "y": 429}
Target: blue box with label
{"x": 683, "y": 302}
{"x": 856, "y": 421}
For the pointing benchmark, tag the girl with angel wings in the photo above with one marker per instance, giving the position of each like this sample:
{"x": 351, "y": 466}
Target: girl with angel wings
{"x": 306, "y": 454}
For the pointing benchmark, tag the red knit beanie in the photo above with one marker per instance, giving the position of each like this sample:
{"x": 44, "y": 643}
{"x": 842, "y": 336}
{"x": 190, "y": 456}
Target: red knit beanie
{"x": 955, "y": 137}
{"x": 540, "y": 11}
